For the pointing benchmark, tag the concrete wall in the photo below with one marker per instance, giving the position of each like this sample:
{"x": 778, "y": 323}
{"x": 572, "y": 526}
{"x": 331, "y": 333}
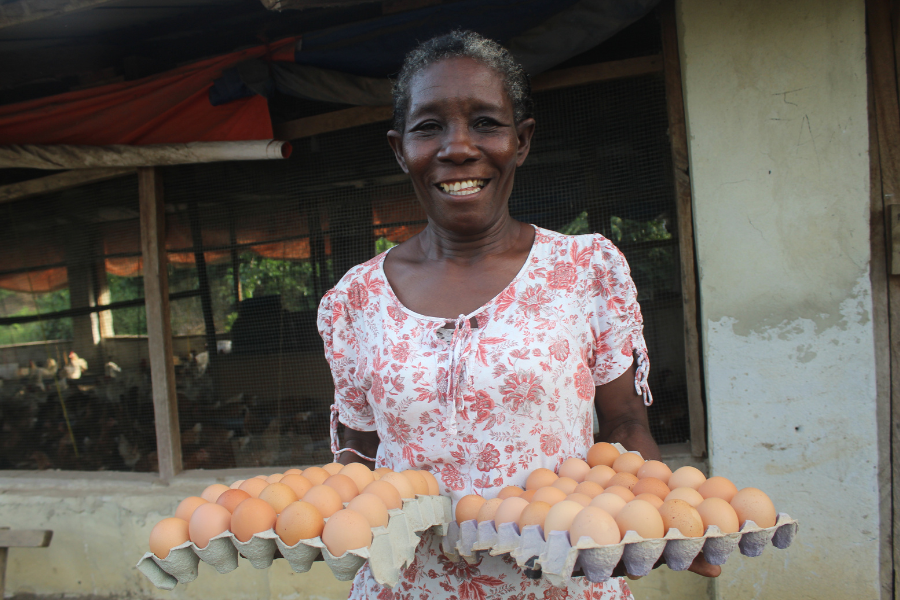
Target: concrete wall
{"x": 775, "y": 96}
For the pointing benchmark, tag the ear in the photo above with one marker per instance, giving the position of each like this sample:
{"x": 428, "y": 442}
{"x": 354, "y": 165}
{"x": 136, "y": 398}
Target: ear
{"x": 395, "y": 139}
{"x": 524, "y": 132}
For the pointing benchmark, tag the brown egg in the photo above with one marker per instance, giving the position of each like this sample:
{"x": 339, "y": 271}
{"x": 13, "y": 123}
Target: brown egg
{"x": 299, "y": 521}
{"x": 380, "y": 471}
{"x": 589, "y": 488}
{"x": 653, "y": 499}
{"x": 316, "y": 475}
{"x": 601, "y": 474}
{"x": 212, "y": 492}
{"x": 293, "y": 472}
{"x": 261, "y": 477}
{"x": 208, "y": 521}
{"x": 597, "y": 524}
{"x": 622, "y": 492}
{"x": 655, "y": 469}
{"x": 467, "y": 508}
{"x": 333, "y": 468}
{"x": 388, "y": 494}
{"x": 715, "y": 511}
{"x": 326, "y": 500}
{"x": 611, "y": 503}
{"x": 252, "y": 516}
{"x": 372, "y": 508}
{"x": 650, "y": 485}
{"x": 561, "y": 515}
{"x": 401, "y": 483}
{"x": 689, "y": 495}
{"x": 231, "y": 499}
{"x": 628, "y": 462}
{"x": 278, "y": 496}
{"x": 540, "y": 478}
{"x": 253, "y": 486}
{"x": 434, "y": 488}
{"x": 642, "y": 518}
{"x": 686, "y": 477}
{"x": 579, "y": 498}
{"x": 528, "y": 495}
{"x": 346, "y": 530}
{"x": 187, "y": 507}
{"x": 420, "y": 486}
{"x": 236, "y": 484}
{"x": 488, "y": 510}
{"x": 574, "y": 468}
{"x": 752, "y": 504}
{"x": 566, "y": 484}
{"x": 534, "y": 514}
{"x": 550, "y": 495}
{"x": 602, "y": 454}
{"x": 626, "y": 480}
{"x": 344, "y": 486}
{"x": 678, "y": 514}
{"x": 510, "y": 491}
{"x": 298, "y": 483}
{"x": 718, "y": 487}
{"x": 274, "y": 478}
{"x": 167, "y": 534}
{"x": 509, "y": 511}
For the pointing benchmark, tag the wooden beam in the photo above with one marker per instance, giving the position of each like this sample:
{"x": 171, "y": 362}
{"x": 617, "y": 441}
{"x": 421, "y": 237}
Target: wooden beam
{"x": 25, "y": 538}
{"x": 685, "y": 216}
{"x": 59, "y": 181}
{"x": 24, "y": 11}
{"x": 159, "y": 323}
{"x": 333, "y": 121}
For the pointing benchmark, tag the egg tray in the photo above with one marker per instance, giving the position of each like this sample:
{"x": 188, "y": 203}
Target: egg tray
{"x": 558, "y": 559}
{"x": 392, "y": 549}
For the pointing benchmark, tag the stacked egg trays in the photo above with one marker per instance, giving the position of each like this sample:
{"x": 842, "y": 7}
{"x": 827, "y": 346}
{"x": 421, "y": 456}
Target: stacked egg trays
{"x": 557, "y": 558}
{"x": 392, "y": 549}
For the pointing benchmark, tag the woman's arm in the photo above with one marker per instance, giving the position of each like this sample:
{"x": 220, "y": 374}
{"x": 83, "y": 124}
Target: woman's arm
{"x": 623, "y": 416}
{"x": 364, "y": 442}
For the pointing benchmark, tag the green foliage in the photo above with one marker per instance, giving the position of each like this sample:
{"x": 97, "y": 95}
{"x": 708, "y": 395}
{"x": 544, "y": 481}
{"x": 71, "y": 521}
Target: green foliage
{"x": 578, "y": 226}
{"x": 383, "y": 244}
{"x": 127, "y": 321}
{"x": 18, "y": 304}
{"x": 626, "y": 230}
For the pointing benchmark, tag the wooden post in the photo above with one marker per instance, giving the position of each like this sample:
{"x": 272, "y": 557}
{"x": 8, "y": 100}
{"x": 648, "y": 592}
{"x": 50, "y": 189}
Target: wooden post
{"x": 159, "y": 322}
{"x": 678, "y": 140}
{"x": 203, "y": 281}
{"x": 235, "y": 264}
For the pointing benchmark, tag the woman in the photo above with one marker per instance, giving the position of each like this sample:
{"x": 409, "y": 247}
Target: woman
{"x": 475, "y": 348}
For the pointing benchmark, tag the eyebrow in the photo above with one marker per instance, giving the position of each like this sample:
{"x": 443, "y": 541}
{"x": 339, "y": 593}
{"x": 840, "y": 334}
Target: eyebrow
{"x": 435, "y": 107}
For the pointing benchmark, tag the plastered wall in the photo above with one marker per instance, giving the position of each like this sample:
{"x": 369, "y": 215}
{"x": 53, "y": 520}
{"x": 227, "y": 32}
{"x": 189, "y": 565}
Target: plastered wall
{"x": 775, "y": 96}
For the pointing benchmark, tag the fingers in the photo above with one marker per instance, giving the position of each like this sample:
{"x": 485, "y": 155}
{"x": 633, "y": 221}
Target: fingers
{"x": 701, "y": 567}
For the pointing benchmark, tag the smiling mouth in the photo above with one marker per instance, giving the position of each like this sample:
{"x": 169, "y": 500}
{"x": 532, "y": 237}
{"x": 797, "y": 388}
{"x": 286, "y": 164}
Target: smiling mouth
{"x": 463, "y": 188}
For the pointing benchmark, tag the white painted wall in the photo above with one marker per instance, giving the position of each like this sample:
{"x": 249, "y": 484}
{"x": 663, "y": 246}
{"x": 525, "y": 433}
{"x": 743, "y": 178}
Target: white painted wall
{"x": 775, "y": 96}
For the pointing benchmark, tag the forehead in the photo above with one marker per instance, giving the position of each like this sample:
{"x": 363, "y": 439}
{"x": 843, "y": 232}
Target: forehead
{"x": 457, "y": 81}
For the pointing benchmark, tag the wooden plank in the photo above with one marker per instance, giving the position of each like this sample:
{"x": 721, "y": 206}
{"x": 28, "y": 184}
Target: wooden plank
{"x": 59, "y": 181}
{"x": 159, "y": 323}
{"x": 685, "y": 216}
{"x": 333, "y": 121}
{"x": 25, "y": 538}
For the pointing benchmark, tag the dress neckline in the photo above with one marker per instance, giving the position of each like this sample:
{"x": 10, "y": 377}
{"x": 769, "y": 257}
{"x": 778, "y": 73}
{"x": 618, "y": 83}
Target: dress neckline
{"x": 478, "y": 310}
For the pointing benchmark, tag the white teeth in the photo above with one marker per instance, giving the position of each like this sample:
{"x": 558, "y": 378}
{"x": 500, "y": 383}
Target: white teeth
{"x": 462, "y": 188}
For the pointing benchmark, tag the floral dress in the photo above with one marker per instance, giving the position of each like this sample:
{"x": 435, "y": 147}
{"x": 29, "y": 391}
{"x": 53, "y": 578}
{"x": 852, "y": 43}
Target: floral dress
{"x": 505, "y": 390}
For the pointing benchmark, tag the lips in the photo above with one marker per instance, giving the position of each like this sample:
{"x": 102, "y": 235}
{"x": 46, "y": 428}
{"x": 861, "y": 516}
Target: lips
{"x": 462, "y": 188}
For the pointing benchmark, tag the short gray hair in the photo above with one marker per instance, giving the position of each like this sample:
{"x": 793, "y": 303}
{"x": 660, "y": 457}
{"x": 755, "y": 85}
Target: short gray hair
{"x": 465, "y": 44}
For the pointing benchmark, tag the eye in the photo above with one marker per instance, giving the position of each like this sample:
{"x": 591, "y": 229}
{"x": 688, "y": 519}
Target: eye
{"x": 486, "y": 124}
{"x": 425, "y": 128}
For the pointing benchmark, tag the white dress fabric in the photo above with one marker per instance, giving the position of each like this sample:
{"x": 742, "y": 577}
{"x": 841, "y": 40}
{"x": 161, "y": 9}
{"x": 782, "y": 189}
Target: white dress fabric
{"x": 491, "y": 404}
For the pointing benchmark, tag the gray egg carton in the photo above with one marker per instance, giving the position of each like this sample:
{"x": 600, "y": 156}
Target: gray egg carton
{"x": 392, "y": 549}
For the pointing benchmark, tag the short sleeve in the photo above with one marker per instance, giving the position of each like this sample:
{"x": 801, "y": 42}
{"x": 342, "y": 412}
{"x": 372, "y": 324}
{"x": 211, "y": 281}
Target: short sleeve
{"x": 616, "y": 322}
{"x": 341, "y": 350}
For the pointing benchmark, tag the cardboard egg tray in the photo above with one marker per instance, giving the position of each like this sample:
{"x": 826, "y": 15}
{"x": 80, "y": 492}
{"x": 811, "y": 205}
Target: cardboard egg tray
{"x": 558, "y": 558}
{"x": 392, "y": 549}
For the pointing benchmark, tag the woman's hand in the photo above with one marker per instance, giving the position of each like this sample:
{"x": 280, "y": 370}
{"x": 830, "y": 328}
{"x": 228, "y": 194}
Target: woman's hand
{"x": 364, "y": 442}
{"x": 701, "y": 567}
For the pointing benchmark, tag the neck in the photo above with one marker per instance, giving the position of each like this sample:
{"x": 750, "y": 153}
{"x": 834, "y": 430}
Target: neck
{"x": 438, "y": 243}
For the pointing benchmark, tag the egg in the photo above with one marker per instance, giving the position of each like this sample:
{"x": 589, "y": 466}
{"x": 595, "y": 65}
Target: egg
{"x": 167, "y": 534}
{"x": 388, "y": 494}
{"x": 253, "y": 486}
{"x": 488, "y": 510}
{"x": 333, "y": 468}
{"x": 326, "y": 500}
{"x": 381, "y": 471}
{"x": 231, "y": 499}
{"x": 561, "y": 515}
{"x": 299, "y": 521}
{"x": 689, "y": 495}
{"x": 252, "y": 516}
{"x": 623, "y": 492}
{"x": 550, "y": 495}
{"x": 752, "y": 504}
{"x": 208, "y": 521}
{"x": 401, "y": 483}
{"x": 262, "y": 477}
{"x": 510, "y": 491}
{"x": 418, "y": 483}
{"x": 540, "y": 478}
{"x": 624, "y": 479}
{"x": 642, "y": 518}
{"x": 527, "y": 495}
{"x": 579, "y": 498}
{"x": 650, "y": 485}
{"x": 187, "y": 507}
{"x": 296, "y": 482}
{"x": 533, "y": 514}
{"x": 678, "y": 514}
{"x": 372, "y": 508}
{"x": 346, "y": 530}
{"x": 316, "y": 475}
{"x": 274, "y": 478}
{"x": 566, "y": 484}
{"x": 434, "y": 488}
{"x": 715, "y": 511}
{"x": 278, "y": 496}
{"x": 509, "y": 511}
{"x": 596, "y": 524}
{"x": 236, "y": 484}
{"x": 589, "y": 488}
{"x": 600, "y": 475}
{"x": 655, "y": 469}
{"x": 686, "y": 477}
{"x": 718, "y": 487}
{"x": 293, "y": 472}
{"x": 602, "y": 454}
{"x": 653, "y": 499}
{"x": 628, "y": 462}
{"x": 467, "y": 508}
{"x": 344, "y": 486}
{"x": 611, "y": 503}
{"x": 574, "y": 468}
{"x": 212, "y": 492}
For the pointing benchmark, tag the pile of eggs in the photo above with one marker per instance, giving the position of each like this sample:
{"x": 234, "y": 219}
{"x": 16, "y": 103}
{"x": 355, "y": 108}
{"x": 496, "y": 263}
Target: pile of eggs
{"x": 338, "y": 503}
{"x": 610, "y": 493}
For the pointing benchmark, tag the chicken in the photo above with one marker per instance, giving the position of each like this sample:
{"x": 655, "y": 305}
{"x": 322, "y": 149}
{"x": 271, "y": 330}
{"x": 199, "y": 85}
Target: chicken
{"x": 75, "y": 366}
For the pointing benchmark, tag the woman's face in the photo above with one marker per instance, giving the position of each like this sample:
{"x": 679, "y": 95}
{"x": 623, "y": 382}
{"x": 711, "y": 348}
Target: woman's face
{"x": 461, "y": 145}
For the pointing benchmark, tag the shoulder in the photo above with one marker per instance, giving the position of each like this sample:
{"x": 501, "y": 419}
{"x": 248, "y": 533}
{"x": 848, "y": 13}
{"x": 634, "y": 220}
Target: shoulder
{"x": 357, "y": 288}
{"x": 590, "y": 249}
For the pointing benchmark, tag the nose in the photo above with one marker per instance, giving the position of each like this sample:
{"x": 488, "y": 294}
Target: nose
{"x": 458, "y": 145}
